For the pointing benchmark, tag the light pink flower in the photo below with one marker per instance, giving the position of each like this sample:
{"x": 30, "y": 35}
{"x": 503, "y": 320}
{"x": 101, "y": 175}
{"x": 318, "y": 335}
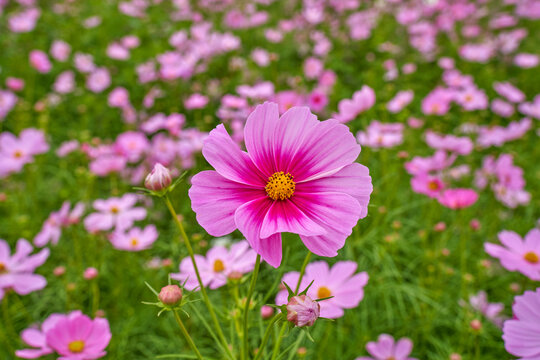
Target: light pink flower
{"x": 119, "y": 97}
{"x": 401, "y": 100}
{"x": 16, "y": 152}
{"x": 17, "y": 270}
{"x": 313, "y": 68}
{"x": 52, "y": 227}
{"x": 518, "y": 254}
{"x": 383, "y": 135}
{"x": 135, "y": 239}
{"x": 317, "y": 100}
{"x": 117, "y": 213}
{"x": 426, "y": 184}
{"x": 526, "y": 61}
{"x": 40, "y": 61}
{"x": 387, "y": 348}
{"x": 491, "y": 311}
{"x": 84, "y": 62}
{"x": 339, "y": 281}
{"x": 218, "y": 264}
{"x": 361, "y": 101}
{"x": 455, "y": 144}
{"x": 60, "y": 50}
{"x": 7, "y": 102}
{"x": 24, "y": 21}
{"x": 14, "y": 84}
{"x": 36, "y": 338}
{"x": 196, "y": 101}
{"x": 98, "y": 80}
{"x": 502, "y": 108}
{"x": 509, "y": 91}
{"x": 458, "y": 198}
{"x": 439, "y": 161}
{"x": 65, "y": 82}
{"x": 77, "y": 337}
{"x": 117, "y": 51}
{"x": 522, "y": 335}
{"x": 298, "y": 176}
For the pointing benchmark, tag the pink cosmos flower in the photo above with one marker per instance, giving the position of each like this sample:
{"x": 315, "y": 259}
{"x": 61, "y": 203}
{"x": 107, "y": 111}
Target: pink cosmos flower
{"x": 119, "y": 97}
{"x": 303, "y": 311}
{"x": 521, "y": 335}
{"x": 52, "y": 228}
{"x": 517, "y": 254}
{"x": 65, "y": 82}
{"x": 509, "y": 91}
{"x": 7, "y": 102}
{"x": 135, "y": 239}
{"x": 196, "y": 101}
{"x": 67, "y": 147}
{"x": 400, "y": 101}
{"x": 98, "y": 80}
{"x": 426, "y": 184}
{"x": 14, "y": 84}
{"x": 437, "y": 102}
{"x": 502, "y": 108}
{"x": 287, "y": 99}
{"x": 60, "y": 50}
{"x": 36, "y": 338}
{"x": 472, "y": 98}
{"x": 217, "y": 266}
{"x": 17, "y": 270}
{"x": 313, "y": 68}
{"x": 379, "y": 135}
{"x": 16, "y": 152}
{"x": 117, "y": 51}
{"x": 497, "y": 135}
{"x": 526, "y": 61}
{"x": 84, "y": 62}
{"x": 298, "y": 176}
{"x": 24, "y": 21}
{"x": 317, "y": 100}
{"x": 491, "y": 311}
{"x": 458, "y": 145}
{"x": 439, "y": 161}
{"x": 40, "y": 61}
{"x": 131, "y": 145}
{"x": 117, "y": 213}
{"x": 361, "y": 101}
{"x": 340, "y": 281}
{"x": 386, "y": 348}
{"x": 77, "y": 337}
{"x": 457, "y": 198}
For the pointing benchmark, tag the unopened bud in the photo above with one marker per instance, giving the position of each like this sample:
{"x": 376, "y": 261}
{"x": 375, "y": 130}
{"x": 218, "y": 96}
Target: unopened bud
{"x": 476, "y": 324}
{"x": 267, "y": 312}
{"x": 90, "y": 273}
{"x": 302, "y": 310}
{"x": 170, "y": 295}
{"x": 159, "y": 179}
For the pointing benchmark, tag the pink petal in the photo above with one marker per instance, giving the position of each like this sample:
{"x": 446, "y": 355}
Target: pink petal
{"x": 229, "y": 161}
{"x": 215, "y": 200}
{"x": 33, "y": 337}
{"x": 511, "y": 240}
{"x": 403, "y": 349}
{"x": 284, "y": 216}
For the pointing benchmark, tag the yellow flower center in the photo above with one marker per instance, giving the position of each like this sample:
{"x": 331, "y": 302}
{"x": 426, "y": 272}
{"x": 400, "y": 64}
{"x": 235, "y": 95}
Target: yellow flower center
{"x": 115, "y": 210}
{"x": 17, "y": 154}
{"x": 218, "y": 266}
{"x": 3, "y": 268}
{"x": 280, "y": 186}
{"x": 323, "y": 292}
{"x": 433, "y": 185}
{"x": 134, "y": 242}
{"x": 531, "y": 257}
{"x": 391, "y": 358}
{"x": 468, "y": 98}
{"x": 76, "y": 346}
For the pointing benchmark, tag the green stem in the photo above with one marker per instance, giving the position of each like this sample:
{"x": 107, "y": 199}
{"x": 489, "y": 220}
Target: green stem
{"x": 302, "y": 271}
{"x": 8, "y": 325}
{"x": 277, "y": 345}
{"x": 201, "y": 285}
{"x": 186, "y": 335}
{"x": 266, "y": 336}
{"x": 245, "y": 348}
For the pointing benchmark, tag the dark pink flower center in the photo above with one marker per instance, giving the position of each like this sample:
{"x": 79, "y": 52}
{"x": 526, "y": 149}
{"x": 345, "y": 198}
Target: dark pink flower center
{"x": 280, "y": 186}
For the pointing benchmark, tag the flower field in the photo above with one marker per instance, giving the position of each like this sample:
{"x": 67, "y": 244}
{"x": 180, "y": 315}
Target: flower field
{"x": 264, "y": 179}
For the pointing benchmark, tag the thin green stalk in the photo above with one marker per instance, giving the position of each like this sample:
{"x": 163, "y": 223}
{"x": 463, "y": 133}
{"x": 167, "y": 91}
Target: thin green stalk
{"x": 8, "y": 325}
{"x": 186, "y": 335}
{"x": 266, "y": 336}
{"x": 203, "y": 289}
{"x": 283, "y": 327}
{"x": 245, "y": 347}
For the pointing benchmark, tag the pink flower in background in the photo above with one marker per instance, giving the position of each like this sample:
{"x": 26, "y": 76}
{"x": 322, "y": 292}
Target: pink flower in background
{"x": 40, "y": 61}
{"x": 14, "y": 84}
{"x": 313, "y": 68}
{"x": 439, "y": 161}
{"x": 52, "y": 227}
{"x": 132, "y": 145}
{"x": 379, "y": 135}
{"x": 317, "y": 100}
{"x": 196, "y": 101}
{"x": 84, "y": 62}
{"x": 60, "y": 50}
{"x": 497, "y": 135}
{"x": 135, "y": 239}
{"x": 16, "y": 152}
{"x": 457, "y": 198}
{"x": 339, "y": 281}
{"x": 7, "y": 102}
{"x": 526, "y": 61}
{"x": 119, "y": 97}
{"x": 472, "y": 98}
{"x": 509, "y": 91}
{"x": 288, "y": 99}
{"x": 67, "y": 147}
{"x": 387, "y": 348}
{"x": 491, "y": 311}
{"x": 437, "y": 102}
{"x": 361, "y": 101}
{"x": 502, "y": 108}
{"x": 298, "y": 176}
{"x": 117, "y": 213}
{"x": 521, "y": 335}
{"x": 65, "y": 82}
{"x": 218, "y": 264}
{"x": 36, "y": 338}
{"x": 458, "y": 145}
{"x": 426, "y": 184}
{"x": 518, "y": 254}
{"x": 117, "y": 51}
{"x": 77, "y": 337}
{"x": 98, "y": 80}
{"x": 24, "y": 21}
{"x": 400, "y": 101}
{"x": 17, "y": 270}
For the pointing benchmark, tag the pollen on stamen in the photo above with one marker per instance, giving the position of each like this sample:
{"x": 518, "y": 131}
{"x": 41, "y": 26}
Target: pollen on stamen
{"x": 280, "y": 186}
{"x": 531, "y": 257}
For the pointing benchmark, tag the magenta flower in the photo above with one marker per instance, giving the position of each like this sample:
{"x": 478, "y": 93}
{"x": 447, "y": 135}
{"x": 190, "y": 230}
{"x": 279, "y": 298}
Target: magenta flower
{"x": 52, "y": 228}
{"x": 457, "y": 198}
{"x": 518, "y": 254}
{"x": 426, "y": 184}
{"x": 36, "y": 338}
{"x": 522, "y": 335}
{"x": 77, "y": 337}
{"x": 340, "y": 281}
{"x": 387, "y": 348}
{"x": 298, "y": 176}
{"x": 40, "y": 61}
{"x": 135, "y": 239}
{"x": 17, "y": 270}
{"x": 117, "y": 213}
{"x": 217, "y": 266}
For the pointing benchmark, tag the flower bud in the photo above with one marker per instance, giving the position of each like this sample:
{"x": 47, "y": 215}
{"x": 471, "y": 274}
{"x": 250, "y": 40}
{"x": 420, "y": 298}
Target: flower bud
{"x": 302, "y": 310}
{"x": 90, "y": 273}
{"x": 59, "y": 271}
{"x": 267, "y": 312}
{"x": 476, "y": 325}
{"x": 159, "y": 179}
{"x": 170, "y": 295}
